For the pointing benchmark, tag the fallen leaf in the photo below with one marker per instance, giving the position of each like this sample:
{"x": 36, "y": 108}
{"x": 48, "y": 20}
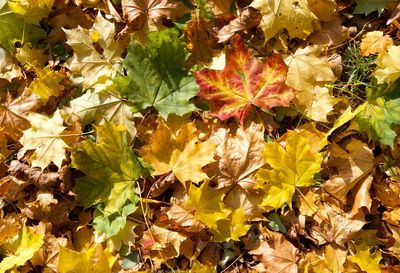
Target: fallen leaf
{"x": 335, "y": 227}
{"x": 33, "y": 11}
{"x": 293, "y": 16}
{"x": 290, "y": 167}
{"x": 156, "y": 75}
{"x": 240, "y": 155}
{"x": 374, "y": 42}
{"x": 89, "y": 63}
{"x": 147, "y": 15}
{"x": 247, "y": 19}
{"x": 244, "y": 83}
{"x": 208, "y": 205}
{"x": 111, "y": 168}
{"x": 367, "y": 261}
{"x": 46, "y": 84}
{"x": 45, "y": 138}
{"x": 93, "y": 259}
{"x": 22, "y": 250}
{"x": 277, "y": 256}
{"x": 353, "y": 164}
{"x": 170, "y": 147}
{"x": 387, "y": 65}
{"x": 99, "y": 107}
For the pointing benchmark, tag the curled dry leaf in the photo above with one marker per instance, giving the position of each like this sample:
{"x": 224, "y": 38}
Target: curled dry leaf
{"x": 248, "y": 18}
{"x": 147, "y": 15}
{"x": 277, "y": 256}
{"x": 353, "y": 165}
{"x": 240, "y": 155}
{"x": 335, "y": 227}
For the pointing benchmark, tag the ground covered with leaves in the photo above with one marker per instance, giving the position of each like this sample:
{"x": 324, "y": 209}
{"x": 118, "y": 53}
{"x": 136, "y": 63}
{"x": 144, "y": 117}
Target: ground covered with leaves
{"x": 199, "y": 136}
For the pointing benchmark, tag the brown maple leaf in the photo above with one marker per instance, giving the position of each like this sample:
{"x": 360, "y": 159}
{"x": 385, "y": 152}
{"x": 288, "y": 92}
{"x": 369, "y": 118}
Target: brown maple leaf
{"x": 148, "y": 15}
{"x": 248, "y": 18}
{"x": 13, "y": 114}
{"x": 278, "y": 256}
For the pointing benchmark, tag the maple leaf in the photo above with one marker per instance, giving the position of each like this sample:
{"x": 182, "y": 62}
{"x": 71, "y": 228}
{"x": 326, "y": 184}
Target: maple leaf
{"x": 240, "y": 155}
{"x": 353, "y": 164}
{"x": 238, "y": 225}
{"x": 156, "y": 75}
{"x": 335, "y": 227}
{"x": 331, "y": 33}
{"x": 208, "y": 205}
{"x": 46, "y": 84}
{"x": 199, "y": 40}
{"x": 175, "y": 147}
{"x": 307, "y": 69}
{"x": 332, "y": 261}
{"x": 14, "y": 28}
{"x": 112, "y": 170}
{"x": 24, "y": 248}
{"x": 32, "y": 10}
{"x": 292, "y": 166}
{"x": 89, "y": 63}
{"x": 377, "y": 119}
{"x": 94, "y": 259}
{"x": 367, "y": 261}
{"x": 44, "y": 137}
{"x": 181, "y": 216}
{"x": 278, "y": 256}
{"x": 375, "y": 42}
{"x": 247, "y": 19}
{"x": 14, "y": 113}
{"x": 99, "y": 107}
{"x": 111, "y": 223}
{"x": 293, "y": 15}
{"x": 244, "y": 83}
{"x": 148, "y": 15}
{"x": 387, "y": 65}
{"x": 308, "y": 72}
{"x": 162, "y": 239}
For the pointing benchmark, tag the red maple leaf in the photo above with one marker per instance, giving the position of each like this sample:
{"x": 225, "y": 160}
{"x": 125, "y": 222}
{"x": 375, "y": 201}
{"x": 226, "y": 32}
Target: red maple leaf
{"x": 244, "y": 83}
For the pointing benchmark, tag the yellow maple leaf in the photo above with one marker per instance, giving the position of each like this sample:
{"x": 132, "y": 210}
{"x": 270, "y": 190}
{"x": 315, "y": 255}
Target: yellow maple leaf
{"x": 207, "y": 202}
{"x": 44, "y": 138}
{"x": 368, "y": 262}
{"x": 46, "y": 84}
{"x": 25, "y": 247}
{"x": 293, "y": 15}
{"x": 94, "y": 259}
{"x": 374, "y": 42}
{"x": 308, "y": 73}
{"x": 388, "y": 65}
{"x": 95, "y": 67}
{"x": 32, "y": 10}
{"x": 175, "y": 147}
{"x": 292, "y": 166}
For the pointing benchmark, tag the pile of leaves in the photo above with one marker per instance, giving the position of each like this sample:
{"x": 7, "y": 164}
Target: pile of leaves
{"x": 199, "y": 136}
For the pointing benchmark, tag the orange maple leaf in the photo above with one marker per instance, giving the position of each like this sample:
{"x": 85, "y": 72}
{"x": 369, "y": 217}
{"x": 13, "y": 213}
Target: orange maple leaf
{"x": 244, "y": 83}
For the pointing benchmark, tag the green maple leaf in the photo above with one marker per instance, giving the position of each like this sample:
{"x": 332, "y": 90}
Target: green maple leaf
{"x": 14, "y": 29}
{"x": 381, "y": 111}
{"x": 156, "y": 75}
{"x": 366, "y": 7}
{"x": 112, "y": 170}
{"x": 377, "y": 119}
{"x": 112, "y": 223}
